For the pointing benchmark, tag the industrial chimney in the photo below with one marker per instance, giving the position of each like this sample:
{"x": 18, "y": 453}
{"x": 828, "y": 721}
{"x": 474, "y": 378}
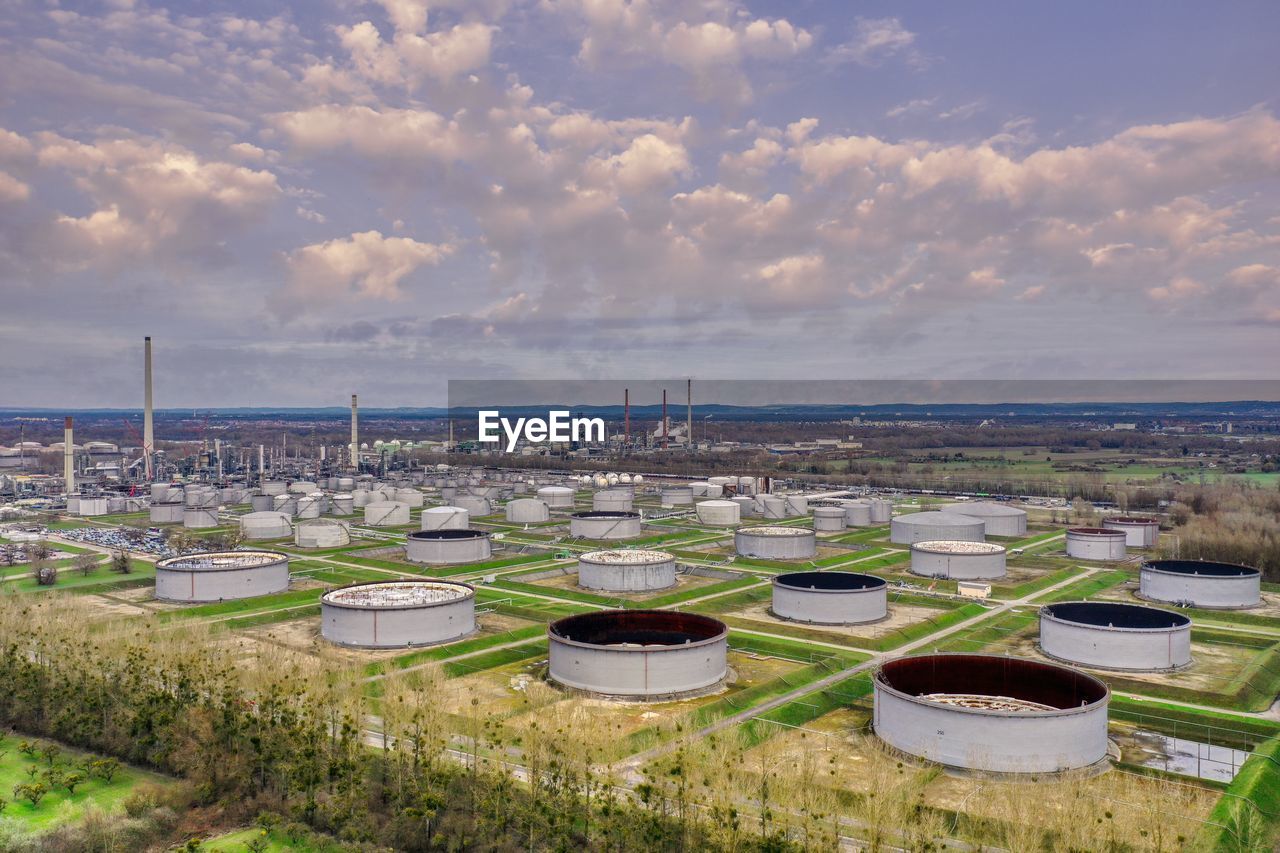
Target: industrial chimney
{"x": 148, "y": 425}
{"x": 68, "y": 458}
{"x": 355, "y": 434}
{"x": 689, "y": 415}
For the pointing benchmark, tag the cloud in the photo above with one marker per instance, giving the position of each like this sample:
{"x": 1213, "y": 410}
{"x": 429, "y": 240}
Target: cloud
{"x": 366, "y": 264}
{"x": 875, "y": 40}
{"x": 912, "y": 107}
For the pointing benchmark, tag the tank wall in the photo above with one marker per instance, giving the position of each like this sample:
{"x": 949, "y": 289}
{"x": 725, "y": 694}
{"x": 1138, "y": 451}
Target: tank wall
{"x": 611, "y": 500}
{"x": 905, "y": 533}
{"x": 829, "y": 522}
{"x": 527, "y": 510}
{"x": 719, "y": 515}
{"x": 1136, "y": 535}
{"x": 605, "y": 528}
{"x": 166, "y": 513}
{"x": 447, "y": 550}
{"x": 858, "y": 515}
{"x": 776, "y": 547}
{"x": 1112, "y": 649}
{"x": 831, "y": 608}
{"x": 1008, "y": 743}
{"x": 619, "y": 577}
{"x": 1095, "y": 547}
{"x": 1202, "y": 590}
{"x": 958, "y": 566}
{"x": 411, "y": 626}
{"x": 656, "y": 672}
{"x": 1000, "y": 525}
{"x": 220, "y": 585}
{"x": 459, "y": 520}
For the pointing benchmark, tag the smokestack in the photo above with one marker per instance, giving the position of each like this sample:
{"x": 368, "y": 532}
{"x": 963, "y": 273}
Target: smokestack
{"x": 664, "y": 418}
{"x": 68, "y": 458}
{"x": 626, "y": 419}
{"x": 355, "y": 434}
{"x": 148, "y": 422}
{"x": 262, "y": 463}
{"x": 217, "y": 451}
{"x": 689, "y": 414}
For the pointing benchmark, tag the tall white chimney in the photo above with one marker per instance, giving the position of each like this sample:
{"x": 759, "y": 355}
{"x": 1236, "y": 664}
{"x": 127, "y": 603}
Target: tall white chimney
{"x": 262, "y": 464}
{"x": 355, "y": 434}
{"x": 68, "y": 457}
{"x": 148, "y": 425}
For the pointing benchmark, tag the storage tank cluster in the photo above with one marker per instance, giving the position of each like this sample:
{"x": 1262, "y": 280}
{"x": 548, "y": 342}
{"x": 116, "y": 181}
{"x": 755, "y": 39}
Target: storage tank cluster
{"x": 830, "y": 598}
{"x": 398, "y": 614}
{"x": 1200, "y": 583}
{"x": 1113, "y": 635}
{"x": 605, "y": 524}
{"x": 627, "y": 571}
{"x": 447, "y": 546}
{"x": 934, "y": 526}
{"x": 1141, "y": 532}
{"x": 1096, "y": 543}
{"x": 222, "y": 575}
{"x": 958, "y": 560}
{"x": 776, "y": 543}
{"x": 640, "y": 654}
{"x": 999, "y": 519}
{"x": 992, "y": 713}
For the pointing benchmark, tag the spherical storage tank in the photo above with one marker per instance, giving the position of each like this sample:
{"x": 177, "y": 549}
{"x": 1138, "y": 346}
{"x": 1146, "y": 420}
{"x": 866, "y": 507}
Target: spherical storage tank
{"x": 992, "y": 712}
{"x": 397, "y": 614}
{"x": 958, "y": 560}
{"x": 649, "y": 654}
{"x": 718, "y": 513}
{"x": 447, "y": 546}
{"x": 265, "y": 525}
{"x": 933, "y": 526}
{"x": 1200, "y": 583}
{"x": 1141, "y": 532}
{"x": 386, "y": 514}
{"x": 612, "y": 499}
{"x": 1096, "y": 543}
{"x": 828, "y": 518}
{"x": 1113, "y": 635}
{"x": 1000, "y": 519}
{"x": 221, "y": 575}
{"x": 445, "y": 518}
{"x": 779, "y": 543}
{"x": 627, "y": 571}
{"x": 605, "y": 524}
{"x": 527, "y": 510}
{"x": 321, "y": 533}
{"x": 830, "y": 598}
{"x": 559, "y": 497}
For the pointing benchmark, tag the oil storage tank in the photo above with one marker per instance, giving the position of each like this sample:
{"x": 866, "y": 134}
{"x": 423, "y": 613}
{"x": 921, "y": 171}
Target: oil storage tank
{"x": 556, "y": 497}
{"x": 167, "y": 513}
{"x": 830, "y": 598}
{"x": 1200, "y": 583}
{"x": 999, "y": 519}
{"x": 828, "y": 519}
{"x": 643, "y": 654}
{"x": 633, "y": 570}
{"x": 776, "y": 543}
{"x": 447, "y": 546}
{"x": 1096, "y": 543}
{"x": 1142, "y": 532}
{"x": 221, "y": 576}
{"x": 474, "y": 504}
{"x": 398, "y": 614}
{"x": 992, "y": 712}
{"x": 617, "y": 499}
{"x": 857, "y": 514}
{"x": 265, "y": 525}
{"x": 386, "y": 514}
{"x": 321, "y": 533}
{"x": 676, "y": 495}
{"x": 718, "y": 513}
{"x": 934, "y": 526}
{"x": 445, "y": 518}
{"x": 604, "y": 524}
{"x": 527, "y": 511}
{"x": 881, "y": 511}
{"x": 958, "y": 560}
{"x": 1114, "y": 635}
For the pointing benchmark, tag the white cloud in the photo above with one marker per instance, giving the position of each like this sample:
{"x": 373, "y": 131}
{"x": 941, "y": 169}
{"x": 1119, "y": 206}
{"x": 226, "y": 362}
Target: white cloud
{"x": 875, "y": 40}
{"x": 365, "y": 264}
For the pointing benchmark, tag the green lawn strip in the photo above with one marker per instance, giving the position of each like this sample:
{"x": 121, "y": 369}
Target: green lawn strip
{"x": 270, "y": 841}
{"x": 1085, "y": 587}
{"x": 557, "y": 592}
{"x": 680, "y": 595}
{"x": 988, "y": 632}
{"x": 849, "y": 556}
{"x": 374, "y": 563}
{"x": 1034, "y": 539}
{"x": 865, "y": 534}
{"x": 1220, "y": 728}
{"x": 451, "y": 650}
{"x": 495, "y": 659}
{"x": 1232, "y": 617}
{"x": 342, "y": 576}
{"x": 806, "y": 709}
{"x": 58, "y": 806}
{"x": 1034, "y": 585}
{"x": 796, "y": 651}
{"x": 100, "y": 578}
{"x": 268, "y": 617}
{"x": 331, "y": 552}
{"x": 525, "y": 607}
{"x": 1248, "y": 815}
{"x": 480, "y": 568}
{"x": 1253, "y": 688}
{"x": 242, "y": 605}
{"x": 885, "y": 562}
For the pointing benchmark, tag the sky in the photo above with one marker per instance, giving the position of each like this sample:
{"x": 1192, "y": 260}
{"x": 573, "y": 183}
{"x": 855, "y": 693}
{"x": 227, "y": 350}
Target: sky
{"x": 301, "y": 201}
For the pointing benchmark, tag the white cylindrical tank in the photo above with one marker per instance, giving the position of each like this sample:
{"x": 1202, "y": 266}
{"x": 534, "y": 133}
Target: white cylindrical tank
{"x": 360, "y": 498}
{"x": 992, "y": 713}
{"x": 273, "y": 487}
{"x": 771, "y": 507}
{"x": 676, "y": 495}
{"x": 527, "y": 511}
{"x": 199, "y": 517}
{"x": 746, "y": 506}
{"x": 261, "y": 503}
{"x": 881, "y": 511}
{"x": 604, "y": 524}
{"x": 830, "y": 598}
{"x": 718, "y": 513}
{"x": 556, "y": 497}
{"x": 388, "y": 514}
{"x": 286, "y": 503}
{"x": 221, "y": 576}
{"x": 649, "y": 654}
{"x": 321, "y": 533}
{"x": 1095, "y": 543}
{"x": 411, "y": 497}
{"x": 828, "y": 518}
{"x": 858, "y": 514}
{"x": 958, "y": 560}
{"x": 473, "y": 504}
{"x": 1112, "y": 635}
{"x": 797, "y": 505}
{"x": 776, "y": 543}
{"x": 93, "y": 506}
{"x": 1140, "y": 532}
{"x": 929, "y": 526}
{"x": 627, "y": 571}
{"x": 167, "y": 513}
{"x": 445, "y": 518}
{"x": 398, "y": 614}
{"x": 309, "y": 505}
{"x": 346, "y": 484}
{"x": 265, "y": 525}
{"x": 1000, "y": 519}
{"x": 160, "y": 493}
{"x": 445, "y": 546}
{"x": 302, "y": 487}
{"x": 342, "y": 504}
{"x": 1200, "y": 583}
{"x": 616, "y": 499}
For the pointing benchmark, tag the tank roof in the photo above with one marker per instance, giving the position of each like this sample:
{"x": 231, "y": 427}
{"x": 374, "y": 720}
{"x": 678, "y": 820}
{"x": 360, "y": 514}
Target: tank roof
{"x": 638, "y": 628}
{"x": 626, "y": 556}
{"x": 216, "y": 561}
{"x": 1130, "y": 519}
{"x": 1027, "y": 685}
{"x": 829, "y": 581}
{"x": 1095, "y": 531}
{"x": 955, "y": 546}
{"x": 448, "y": 534}
{"x": 768, "y": 530}
{"x": 1201, "y": 567}
{"x": 605, "y": 513}
{"x": 398, "y": 594}
{"x": 932, "y": 517}
{"x": 1114, "y": 614}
